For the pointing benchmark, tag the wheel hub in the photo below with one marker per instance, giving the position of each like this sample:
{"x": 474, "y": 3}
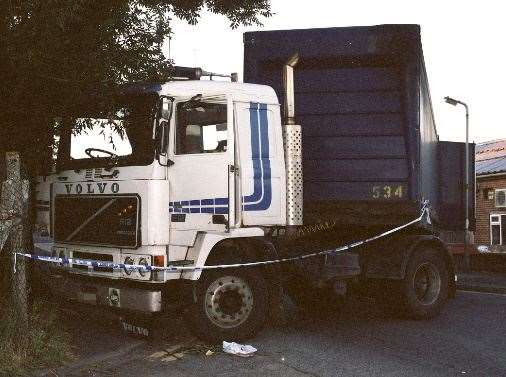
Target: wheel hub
{"x": 228, "y": 302}
{"x": 427, "y": 283}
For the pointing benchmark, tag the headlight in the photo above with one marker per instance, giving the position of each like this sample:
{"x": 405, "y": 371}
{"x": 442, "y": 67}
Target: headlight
{"x": 128, "y": 260}
{"x": 144, "y": 262}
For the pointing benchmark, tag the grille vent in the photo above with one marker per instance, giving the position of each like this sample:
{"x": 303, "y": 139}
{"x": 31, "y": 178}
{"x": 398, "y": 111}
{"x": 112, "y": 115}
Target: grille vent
{"x": 93, "y": 173}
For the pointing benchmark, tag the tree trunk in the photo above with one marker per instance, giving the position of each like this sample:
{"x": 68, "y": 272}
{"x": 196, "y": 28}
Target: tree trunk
{"x": 13, "y": 214}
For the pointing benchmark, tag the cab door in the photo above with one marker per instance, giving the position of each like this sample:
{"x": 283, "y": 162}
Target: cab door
{"x": 201, "y": 176}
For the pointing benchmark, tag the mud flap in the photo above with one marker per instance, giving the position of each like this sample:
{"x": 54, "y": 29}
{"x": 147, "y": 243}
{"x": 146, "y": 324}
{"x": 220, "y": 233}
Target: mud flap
{"x": 340, "y": 266}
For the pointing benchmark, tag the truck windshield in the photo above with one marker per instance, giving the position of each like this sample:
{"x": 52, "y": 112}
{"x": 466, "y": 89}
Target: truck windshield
{"x": 117, "y": 134}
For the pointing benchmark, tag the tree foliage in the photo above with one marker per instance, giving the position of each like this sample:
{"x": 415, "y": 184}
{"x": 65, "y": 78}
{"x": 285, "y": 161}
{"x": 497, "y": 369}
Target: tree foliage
{"x": 53, "y": 51}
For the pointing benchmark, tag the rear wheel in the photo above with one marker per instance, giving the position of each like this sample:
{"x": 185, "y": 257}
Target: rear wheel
{"x": 424, "y": 290}
{"x": 230, "y": 305}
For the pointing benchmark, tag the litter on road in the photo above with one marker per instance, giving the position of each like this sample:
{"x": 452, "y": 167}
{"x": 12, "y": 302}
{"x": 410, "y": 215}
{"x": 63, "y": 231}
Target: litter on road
{"x": 243, "y": 350}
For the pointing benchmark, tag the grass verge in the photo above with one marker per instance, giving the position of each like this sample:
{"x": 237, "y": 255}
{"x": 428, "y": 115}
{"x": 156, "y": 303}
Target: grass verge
{"x": 40, "y": 343}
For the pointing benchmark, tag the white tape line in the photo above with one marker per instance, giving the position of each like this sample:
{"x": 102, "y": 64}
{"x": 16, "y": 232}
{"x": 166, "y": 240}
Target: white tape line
{"x": 122, "y": 266}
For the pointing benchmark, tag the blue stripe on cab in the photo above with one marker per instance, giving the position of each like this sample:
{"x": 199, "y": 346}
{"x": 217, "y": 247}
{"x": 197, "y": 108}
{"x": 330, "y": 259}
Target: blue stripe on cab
{"x": 221, "y": 201}
{"x": 221, "y": 210}
{"x": 255, "y": 155}
{"x": 261, "y": 198}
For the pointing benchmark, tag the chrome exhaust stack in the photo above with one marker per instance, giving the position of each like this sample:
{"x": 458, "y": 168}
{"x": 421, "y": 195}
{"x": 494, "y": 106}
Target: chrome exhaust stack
{"x": 292, "y": 138}
{"x": 288, "y": 83}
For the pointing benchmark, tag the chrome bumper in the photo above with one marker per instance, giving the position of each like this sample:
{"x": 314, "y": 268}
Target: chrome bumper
{"x": 109, "y": 293}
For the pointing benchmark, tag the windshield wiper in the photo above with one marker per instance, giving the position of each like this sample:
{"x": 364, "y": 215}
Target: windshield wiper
{"x": 112, "y": 162}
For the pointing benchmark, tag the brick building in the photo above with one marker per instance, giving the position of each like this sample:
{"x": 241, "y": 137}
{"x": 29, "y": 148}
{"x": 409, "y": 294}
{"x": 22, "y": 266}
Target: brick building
{"x": 491, "y": 194}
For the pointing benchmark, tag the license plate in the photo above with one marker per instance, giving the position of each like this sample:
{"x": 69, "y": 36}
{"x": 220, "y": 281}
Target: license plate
{"x": 134, "y": 329}
{"x": 87, "y": 298}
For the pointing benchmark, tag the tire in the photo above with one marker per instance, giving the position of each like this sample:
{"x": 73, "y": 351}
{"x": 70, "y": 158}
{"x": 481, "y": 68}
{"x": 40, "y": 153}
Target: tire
{"x": 424, "y": 290}
{"x": 230, "y": 304}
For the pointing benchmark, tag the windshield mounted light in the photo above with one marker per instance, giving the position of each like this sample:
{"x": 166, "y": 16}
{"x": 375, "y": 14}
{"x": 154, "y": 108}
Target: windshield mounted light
{"x": 190, "y": 73}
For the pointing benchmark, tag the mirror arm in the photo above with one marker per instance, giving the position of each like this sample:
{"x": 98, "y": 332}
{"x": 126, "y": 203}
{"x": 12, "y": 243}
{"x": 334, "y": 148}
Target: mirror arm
{"x": 168, "y": 161}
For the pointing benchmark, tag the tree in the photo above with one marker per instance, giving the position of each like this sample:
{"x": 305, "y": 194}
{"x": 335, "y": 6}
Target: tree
{"x": 54, "y": 51}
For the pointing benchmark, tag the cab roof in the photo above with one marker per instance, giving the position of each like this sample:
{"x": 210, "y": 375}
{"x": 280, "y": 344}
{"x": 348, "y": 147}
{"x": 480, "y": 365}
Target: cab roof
{"x": 238, "y": 91}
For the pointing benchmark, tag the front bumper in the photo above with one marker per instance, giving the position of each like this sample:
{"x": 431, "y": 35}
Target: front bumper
{"x": 134, "y": 297}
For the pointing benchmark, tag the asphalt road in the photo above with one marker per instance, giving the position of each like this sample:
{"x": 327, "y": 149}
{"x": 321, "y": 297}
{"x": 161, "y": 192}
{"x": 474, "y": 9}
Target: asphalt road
{"x": 468, "y": 338}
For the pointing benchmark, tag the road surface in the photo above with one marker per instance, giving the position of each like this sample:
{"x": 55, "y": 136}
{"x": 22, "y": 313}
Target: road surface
{"x": 468, "y": 338}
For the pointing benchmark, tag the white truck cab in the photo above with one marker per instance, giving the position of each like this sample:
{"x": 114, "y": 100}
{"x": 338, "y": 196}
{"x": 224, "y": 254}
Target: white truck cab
{"x": 203, "y": 163}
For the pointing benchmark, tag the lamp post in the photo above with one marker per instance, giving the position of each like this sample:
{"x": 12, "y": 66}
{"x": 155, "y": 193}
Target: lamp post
{"x": 455, "y": 102}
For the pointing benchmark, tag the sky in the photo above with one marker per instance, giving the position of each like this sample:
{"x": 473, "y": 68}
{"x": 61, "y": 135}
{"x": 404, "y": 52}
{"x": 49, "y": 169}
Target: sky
{"x": 464, "y": 45}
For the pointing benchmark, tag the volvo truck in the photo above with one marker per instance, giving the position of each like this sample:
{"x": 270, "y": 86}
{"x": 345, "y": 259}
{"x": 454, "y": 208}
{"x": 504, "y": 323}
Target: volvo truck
{"x": 332, "y": 140}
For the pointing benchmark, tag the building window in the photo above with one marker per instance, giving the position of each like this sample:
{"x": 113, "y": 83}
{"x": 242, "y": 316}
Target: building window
{"x": 500, "y": 198}
{"x": 488, "y": 194}
{"x": 491, "y": 194}
{"x": 498, "y": 229}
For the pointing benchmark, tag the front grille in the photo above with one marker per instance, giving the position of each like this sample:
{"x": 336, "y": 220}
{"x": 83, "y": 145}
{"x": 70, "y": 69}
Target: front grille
{"x": 105, "y": 220}
{"x": 93, "y": 256}
{"x": 93, "y": 173}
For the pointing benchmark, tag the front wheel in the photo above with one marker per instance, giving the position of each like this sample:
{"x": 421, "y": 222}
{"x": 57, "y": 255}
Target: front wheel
{"x": 229, "y": 305}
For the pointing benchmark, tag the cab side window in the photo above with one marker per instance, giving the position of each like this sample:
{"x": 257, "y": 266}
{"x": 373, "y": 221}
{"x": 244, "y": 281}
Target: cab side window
{"x": 201, "y": 127}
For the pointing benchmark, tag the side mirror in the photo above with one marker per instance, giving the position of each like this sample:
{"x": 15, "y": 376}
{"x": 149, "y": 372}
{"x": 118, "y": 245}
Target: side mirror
{"x": 161, "y": 137}
{"x": 161, "y": 140}
{"x": 166, "y": 107}
{"x": 164, "y": 115}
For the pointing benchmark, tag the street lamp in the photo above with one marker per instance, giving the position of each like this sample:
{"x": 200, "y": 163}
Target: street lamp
{"x": 455, "y": 102}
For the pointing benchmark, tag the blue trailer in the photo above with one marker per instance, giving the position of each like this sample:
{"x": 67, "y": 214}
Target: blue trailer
{"x": 371, "y": 158}
{"x": 371, "y": 152}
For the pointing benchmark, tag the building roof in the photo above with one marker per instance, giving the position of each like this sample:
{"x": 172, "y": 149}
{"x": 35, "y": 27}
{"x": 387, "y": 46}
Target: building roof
{"x": 490, "y": 157}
